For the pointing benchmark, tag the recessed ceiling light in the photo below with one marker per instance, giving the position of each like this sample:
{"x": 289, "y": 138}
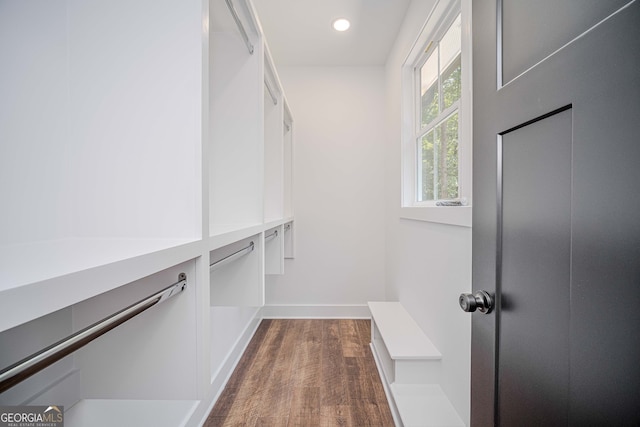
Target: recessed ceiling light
{"x": 341, "y": 24}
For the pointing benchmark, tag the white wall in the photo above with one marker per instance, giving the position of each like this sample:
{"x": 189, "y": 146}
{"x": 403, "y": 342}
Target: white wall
{"x": 351, "y": 245}
{"x": 428, "y": 264}
{"x": 339, "y": 125}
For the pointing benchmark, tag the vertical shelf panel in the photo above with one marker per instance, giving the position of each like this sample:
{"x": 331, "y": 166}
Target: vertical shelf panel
{"x": 273, "y": 144}
{"x": 236, "y": 123}
{"x": 287, "y": 160}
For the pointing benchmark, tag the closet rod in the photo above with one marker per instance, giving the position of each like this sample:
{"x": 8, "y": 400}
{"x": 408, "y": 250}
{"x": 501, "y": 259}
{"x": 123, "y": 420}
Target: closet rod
{"x": 230, "y": 258}
{"x": 273, "y": 97}
{"x": 271, "y": 236}
{"x": 232, "y": 9}
{"x": 36, "y": 362}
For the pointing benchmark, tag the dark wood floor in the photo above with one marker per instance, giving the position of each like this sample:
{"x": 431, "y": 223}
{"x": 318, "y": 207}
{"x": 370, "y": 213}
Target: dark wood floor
{"x": 305, "y": 373}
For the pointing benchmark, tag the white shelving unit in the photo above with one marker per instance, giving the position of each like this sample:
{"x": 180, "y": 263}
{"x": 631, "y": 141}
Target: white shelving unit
{"x": 137, "y": 143}
{"x": 409, "y": 365}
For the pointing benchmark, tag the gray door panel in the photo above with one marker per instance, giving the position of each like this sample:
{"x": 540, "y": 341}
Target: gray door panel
{"x": 570, "y": 134}
{"x": 533, "y": 364}
{"x": 532, "y": 30}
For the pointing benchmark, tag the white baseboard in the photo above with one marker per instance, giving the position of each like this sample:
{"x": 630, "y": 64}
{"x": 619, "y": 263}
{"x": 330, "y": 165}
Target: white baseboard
{"x": 221, "y": 377}
{"x": 316, "y": 311}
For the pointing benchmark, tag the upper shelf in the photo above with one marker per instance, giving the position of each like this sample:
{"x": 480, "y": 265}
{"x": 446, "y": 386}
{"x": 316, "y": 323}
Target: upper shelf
{"x": 41, "y": 277}
{"x": 233, "y": 234}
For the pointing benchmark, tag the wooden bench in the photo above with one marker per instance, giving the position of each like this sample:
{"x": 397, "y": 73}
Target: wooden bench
{"x": 409, "y": 366}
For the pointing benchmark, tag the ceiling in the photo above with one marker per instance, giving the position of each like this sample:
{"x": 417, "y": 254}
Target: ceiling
{"x": 299, "y": 32}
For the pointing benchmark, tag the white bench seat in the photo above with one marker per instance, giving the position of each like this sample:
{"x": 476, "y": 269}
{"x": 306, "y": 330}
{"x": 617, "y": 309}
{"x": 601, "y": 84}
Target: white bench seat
{"x": 409, "y": 365}
{"x": 403, "y": 350}
{"x": 401, "y": 334}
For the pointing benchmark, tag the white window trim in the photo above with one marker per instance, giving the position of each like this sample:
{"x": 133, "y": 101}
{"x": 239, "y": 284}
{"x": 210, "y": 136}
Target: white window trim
{"x": 439, "y": 19}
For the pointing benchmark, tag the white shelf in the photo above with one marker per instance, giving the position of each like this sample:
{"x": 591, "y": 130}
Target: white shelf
{"x": 424, "y": 405}
{"x": 402, "y": 336}
{"x": 130, "y": 413}
{"x": 39, "y": 278}
{"x": 225, "y": 235}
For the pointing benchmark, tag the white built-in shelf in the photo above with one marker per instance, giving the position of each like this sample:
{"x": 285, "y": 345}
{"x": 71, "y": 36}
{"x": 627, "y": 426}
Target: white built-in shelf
{"x": 41, "y": 277}
{"x": 409, "y": 366}
{"x": 402, "y": 336}
{"x": 424, "y": 405}
{"x": 225, "y": 235}
{"x": 228, "y": 233}
{"x": 130, "y": 413}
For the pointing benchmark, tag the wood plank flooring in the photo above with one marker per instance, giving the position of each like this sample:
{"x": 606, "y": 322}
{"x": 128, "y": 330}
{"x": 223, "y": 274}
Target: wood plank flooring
{"x": 305, "y": 373}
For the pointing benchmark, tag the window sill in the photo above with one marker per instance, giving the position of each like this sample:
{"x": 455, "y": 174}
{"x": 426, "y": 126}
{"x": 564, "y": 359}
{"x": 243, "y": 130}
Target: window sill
{"x": 451, "y": 215}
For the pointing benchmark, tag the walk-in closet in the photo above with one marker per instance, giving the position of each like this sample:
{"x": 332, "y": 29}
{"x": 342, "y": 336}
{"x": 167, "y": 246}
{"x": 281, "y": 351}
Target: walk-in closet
{"x": 319, "y": 212}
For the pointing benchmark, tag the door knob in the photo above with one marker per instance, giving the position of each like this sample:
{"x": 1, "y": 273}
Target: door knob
{"x": 481, "y": 301}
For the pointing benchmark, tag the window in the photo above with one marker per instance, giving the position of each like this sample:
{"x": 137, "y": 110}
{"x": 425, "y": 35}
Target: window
{"x": 436, "y": 110}
{"x": 438, "y": 86}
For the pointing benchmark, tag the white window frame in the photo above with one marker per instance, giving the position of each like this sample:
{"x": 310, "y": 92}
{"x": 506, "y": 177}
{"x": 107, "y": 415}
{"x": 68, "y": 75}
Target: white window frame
{"x": 439, "y": 20}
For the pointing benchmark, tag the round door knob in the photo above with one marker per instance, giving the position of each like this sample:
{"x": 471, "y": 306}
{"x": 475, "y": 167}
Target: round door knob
{"x": 480, "y": 301}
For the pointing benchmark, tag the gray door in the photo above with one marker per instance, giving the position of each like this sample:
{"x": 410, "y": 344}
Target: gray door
{"x": 556, "y": 226}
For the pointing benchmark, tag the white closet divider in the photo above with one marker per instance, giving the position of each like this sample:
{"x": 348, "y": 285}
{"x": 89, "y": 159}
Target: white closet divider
{"x": 273, "y": 143}
{"x": 287, "y": 162}
{"x": 236, "y": 121}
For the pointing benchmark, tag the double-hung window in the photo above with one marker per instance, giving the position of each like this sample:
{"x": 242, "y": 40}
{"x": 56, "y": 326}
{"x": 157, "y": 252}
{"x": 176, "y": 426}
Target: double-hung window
{"x": 438, "y": 83}
{"x": 437, "y": 126}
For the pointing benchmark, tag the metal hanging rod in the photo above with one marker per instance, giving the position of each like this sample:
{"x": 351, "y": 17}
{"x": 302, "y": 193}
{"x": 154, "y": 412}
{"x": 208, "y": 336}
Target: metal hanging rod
{"x": 36, "y": 362}
{"x": 230, "y": 258}
{"x": 271, "y": 236}
{"x": 273, "y": 97}
{"x": 236, "y": 18}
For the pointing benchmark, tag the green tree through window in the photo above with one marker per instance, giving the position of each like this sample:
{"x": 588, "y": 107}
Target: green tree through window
{"x": 437, "y": 145}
